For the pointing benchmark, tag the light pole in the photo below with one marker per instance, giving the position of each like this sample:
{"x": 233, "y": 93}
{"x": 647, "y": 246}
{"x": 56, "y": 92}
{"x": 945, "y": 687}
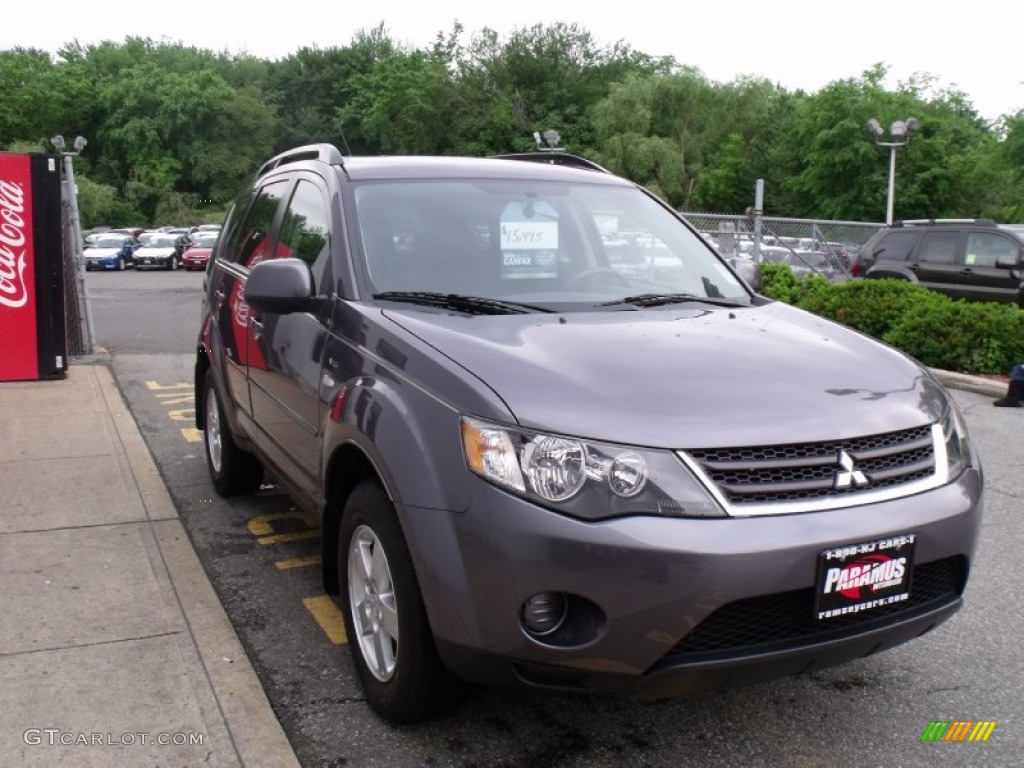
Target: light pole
{"x": 900, "y": 132}
{"x": 71, "y": 195}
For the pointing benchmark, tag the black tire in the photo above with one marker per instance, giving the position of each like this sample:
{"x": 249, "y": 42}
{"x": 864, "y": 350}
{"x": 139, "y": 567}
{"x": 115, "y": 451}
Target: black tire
{"x": 234, "y": 472}
{"x": 120, "y": 264}
{"x": 173, "y": 264}
{"x": 404, "y": 683}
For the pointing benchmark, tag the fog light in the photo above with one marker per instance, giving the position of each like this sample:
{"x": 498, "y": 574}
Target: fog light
{"x": 543, "y": 613}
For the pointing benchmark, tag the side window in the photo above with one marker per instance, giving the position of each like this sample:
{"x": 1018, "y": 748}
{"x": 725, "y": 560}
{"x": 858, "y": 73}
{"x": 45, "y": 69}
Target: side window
{"x": 940, "y": 248}
{"x": 895, "y": 246}
{"x": 984, "y": 249}
{"x": 305, "y": 233}
{"x": 246, "y": 243}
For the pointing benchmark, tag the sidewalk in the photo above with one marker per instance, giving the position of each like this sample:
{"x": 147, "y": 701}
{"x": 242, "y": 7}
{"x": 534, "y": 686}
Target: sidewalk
{"x": 111, "y": 638}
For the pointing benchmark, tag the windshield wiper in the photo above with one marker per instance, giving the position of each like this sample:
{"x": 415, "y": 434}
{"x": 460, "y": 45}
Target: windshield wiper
{"x": 475, "y": 305}
{"x": 660, "y": 299}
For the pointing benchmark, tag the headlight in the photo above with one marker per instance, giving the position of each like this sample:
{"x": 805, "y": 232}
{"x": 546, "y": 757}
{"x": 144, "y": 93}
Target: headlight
{"x": 582, "y": 478}
{"x": 958, "y": 446}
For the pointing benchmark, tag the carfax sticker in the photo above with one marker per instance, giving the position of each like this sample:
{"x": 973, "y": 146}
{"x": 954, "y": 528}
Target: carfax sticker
{"x": 860, "y": 577}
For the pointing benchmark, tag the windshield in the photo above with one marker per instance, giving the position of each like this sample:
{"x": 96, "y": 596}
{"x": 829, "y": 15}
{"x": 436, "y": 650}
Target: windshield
{"x": 107, "y": 242}
{"x": 541, "y": 243}
{"x": 204, "y": 239}
{"x": 161, "y": 241}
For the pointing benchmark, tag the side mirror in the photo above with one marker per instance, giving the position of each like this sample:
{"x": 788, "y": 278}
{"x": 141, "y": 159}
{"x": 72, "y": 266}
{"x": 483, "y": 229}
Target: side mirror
{"x": 1008, "y": 262}
{"x": 748, "y": 272}
{"x": 282, "y": 286}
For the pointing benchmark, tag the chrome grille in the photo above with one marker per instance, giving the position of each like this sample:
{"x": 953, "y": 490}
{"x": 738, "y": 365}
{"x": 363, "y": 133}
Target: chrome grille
{"x": 807, "y": 472}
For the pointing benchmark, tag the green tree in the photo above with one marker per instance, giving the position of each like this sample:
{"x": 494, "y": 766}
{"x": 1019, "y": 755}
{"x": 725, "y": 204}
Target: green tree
{"x": 831, "y": 169}
{"x": 308, "y": 88}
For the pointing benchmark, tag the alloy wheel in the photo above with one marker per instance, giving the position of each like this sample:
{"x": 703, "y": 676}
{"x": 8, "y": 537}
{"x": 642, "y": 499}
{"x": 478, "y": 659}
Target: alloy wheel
{"x": 372, "y": 601}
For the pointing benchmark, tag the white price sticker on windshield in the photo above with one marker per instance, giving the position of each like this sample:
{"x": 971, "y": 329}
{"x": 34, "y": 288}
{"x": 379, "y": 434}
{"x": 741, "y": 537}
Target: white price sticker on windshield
{"x": 529, "y": 236}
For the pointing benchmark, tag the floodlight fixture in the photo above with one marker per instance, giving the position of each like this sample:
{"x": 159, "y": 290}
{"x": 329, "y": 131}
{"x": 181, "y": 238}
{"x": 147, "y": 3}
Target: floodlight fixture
{"x": 900, "y": 132}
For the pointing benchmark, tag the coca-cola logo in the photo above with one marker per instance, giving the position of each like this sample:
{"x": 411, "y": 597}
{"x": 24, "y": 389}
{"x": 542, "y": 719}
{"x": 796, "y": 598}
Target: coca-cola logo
{"x": 13, "y": 292}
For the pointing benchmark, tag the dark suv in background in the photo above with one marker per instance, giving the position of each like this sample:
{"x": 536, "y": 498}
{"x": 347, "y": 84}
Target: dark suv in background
{"x": 972, "y": 259}
{"x": 555, "y": 440}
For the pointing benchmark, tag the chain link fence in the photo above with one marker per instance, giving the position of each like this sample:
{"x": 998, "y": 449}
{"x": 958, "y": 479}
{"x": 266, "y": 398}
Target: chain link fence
{"x": 827, "y": 248}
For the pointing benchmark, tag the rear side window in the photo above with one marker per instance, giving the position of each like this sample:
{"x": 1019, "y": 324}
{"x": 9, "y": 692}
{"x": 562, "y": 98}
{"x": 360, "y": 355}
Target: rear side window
{"x": 895, "y": 246}
{"x": 940, "y": 248}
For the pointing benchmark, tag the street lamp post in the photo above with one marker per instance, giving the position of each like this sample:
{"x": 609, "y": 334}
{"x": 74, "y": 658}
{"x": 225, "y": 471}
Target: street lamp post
{"x": 71, "y": 195}
{"x": 900, "y": 132}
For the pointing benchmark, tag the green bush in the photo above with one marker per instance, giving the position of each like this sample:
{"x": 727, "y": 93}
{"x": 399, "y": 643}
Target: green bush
{"x": 782, "y": 285}
{"x": 969, "y": 337}
{"x": 871, "y": 306}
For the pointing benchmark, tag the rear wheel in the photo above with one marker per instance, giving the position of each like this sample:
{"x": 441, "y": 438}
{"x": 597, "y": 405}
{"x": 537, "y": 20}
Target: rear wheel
{"x": 234, "y": 472}
{"x": 385, "y": 619}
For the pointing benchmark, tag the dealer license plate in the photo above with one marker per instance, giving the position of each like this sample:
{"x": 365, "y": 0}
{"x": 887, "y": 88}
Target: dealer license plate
{"x": 861, "y": 577}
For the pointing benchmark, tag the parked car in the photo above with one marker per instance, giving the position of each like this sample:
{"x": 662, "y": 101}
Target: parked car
{"x": 110, "y": 251}
{"x": 197, "y": 255}
{"x": 162, "y": 251}
{"x": 533, "y": 467}
{"x": 963, "y": 258}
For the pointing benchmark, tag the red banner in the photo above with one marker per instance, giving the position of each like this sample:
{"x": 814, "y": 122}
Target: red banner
{"x": 19, "y": 358}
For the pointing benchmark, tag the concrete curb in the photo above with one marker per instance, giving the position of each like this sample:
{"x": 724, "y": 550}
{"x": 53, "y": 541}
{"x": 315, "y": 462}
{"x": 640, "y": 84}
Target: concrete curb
{"x": 977, "y": 384}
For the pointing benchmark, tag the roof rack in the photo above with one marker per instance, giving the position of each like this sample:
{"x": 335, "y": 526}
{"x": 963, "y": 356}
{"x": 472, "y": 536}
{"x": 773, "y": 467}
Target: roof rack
{"x": 555, "y": 158}
{"x": 926, "y": 222}
{"x": 326, "y": 153}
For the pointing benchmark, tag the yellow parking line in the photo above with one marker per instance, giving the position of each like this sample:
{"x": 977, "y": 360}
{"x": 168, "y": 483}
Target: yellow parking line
{"x": 261, "y": 525}
{"x": 283, "y": 538}
{"x": 181, "y": 385}
{"x": 192, "y": 435}
{"x": 183, "y": 414}
{"x": 176, "y": 398}
{"x": 297, "y": 562}
{"x": 328, "y": 616}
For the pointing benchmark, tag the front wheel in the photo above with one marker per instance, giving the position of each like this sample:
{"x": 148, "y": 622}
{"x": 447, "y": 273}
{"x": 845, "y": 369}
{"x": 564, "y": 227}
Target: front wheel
{"x": 233, "y": 471}
{"x": 386, "y": 622}
{"x": 173, "y": 263}
{"x": 120, "y": 264}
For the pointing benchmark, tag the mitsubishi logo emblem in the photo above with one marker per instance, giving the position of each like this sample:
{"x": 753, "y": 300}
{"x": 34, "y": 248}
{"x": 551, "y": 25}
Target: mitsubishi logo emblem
{"x": 847, "y": 475}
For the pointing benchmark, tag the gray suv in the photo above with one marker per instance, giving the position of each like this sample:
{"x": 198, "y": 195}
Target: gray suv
{"x": 972, "y": 259}
{"x": 556, "y": 441}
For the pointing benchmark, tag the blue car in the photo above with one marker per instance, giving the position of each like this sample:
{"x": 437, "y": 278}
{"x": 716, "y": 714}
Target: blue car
{"x": 111, "y": 252}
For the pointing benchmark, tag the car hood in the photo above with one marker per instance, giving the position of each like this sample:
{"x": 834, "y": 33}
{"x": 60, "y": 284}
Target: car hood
{"x": 154, "y": 252}
{"x": 100, "y": 253}
{"x": 687, "y": 377}
{"x": 199, "y": 253}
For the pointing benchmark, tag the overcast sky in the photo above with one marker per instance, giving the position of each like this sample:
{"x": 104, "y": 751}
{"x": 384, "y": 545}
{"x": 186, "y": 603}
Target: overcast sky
{"x": 977, "y": 47}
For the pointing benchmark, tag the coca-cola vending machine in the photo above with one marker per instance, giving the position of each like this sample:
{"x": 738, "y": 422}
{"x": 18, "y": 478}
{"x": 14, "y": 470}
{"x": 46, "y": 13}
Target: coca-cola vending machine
{"x": 33, "y": 339}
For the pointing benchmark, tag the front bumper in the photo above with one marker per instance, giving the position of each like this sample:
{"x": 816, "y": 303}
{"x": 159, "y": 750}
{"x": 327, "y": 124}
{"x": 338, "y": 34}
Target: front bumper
{"x": 153, "y": 262}
{"x": 107, "y": 263}
{"x": 662, "y": 587}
